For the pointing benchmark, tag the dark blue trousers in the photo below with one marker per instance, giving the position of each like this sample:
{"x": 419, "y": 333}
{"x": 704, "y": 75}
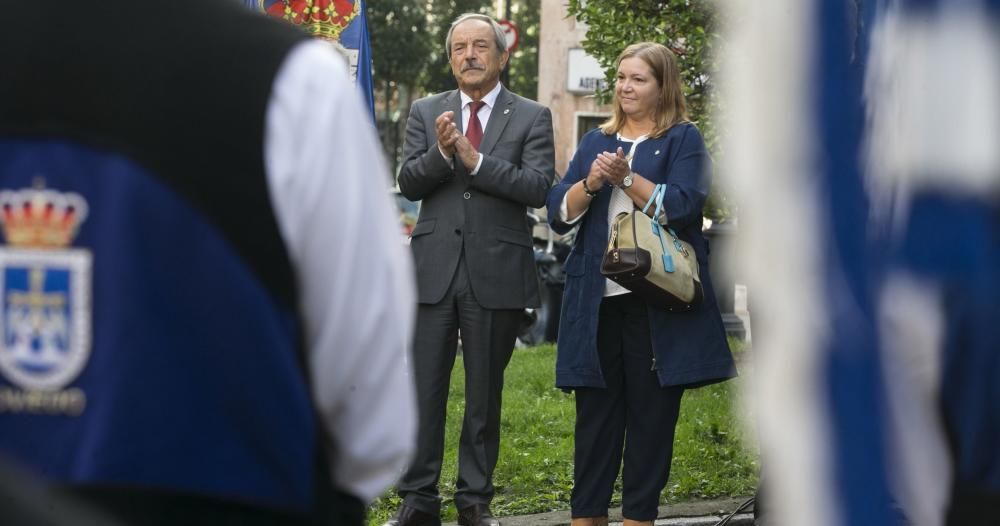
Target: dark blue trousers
{"x": 632, "y": 419}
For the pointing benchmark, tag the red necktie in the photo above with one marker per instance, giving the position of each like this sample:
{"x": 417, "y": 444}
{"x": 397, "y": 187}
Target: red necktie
{"x": 474, "y": 131}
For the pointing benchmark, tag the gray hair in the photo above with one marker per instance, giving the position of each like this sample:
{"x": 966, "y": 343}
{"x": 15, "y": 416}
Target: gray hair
{"x": 501, "y": 40}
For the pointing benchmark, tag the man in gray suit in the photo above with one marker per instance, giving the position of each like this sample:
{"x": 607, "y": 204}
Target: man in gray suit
{"x": 477, "y": 156}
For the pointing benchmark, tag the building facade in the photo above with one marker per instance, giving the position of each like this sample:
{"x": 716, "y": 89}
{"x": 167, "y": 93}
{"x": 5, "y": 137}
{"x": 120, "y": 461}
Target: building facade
{"x": 567, "y": 77}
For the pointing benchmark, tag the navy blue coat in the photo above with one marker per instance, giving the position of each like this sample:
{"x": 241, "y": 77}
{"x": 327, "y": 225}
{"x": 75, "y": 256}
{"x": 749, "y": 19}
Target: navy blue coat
{"x": 690, "y": 347}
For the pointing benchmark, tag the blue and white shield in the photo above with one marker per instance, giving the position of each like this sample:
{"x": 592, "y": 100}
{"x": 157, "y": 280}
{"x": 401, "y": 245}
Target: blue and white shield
{"x": 44, "y": 316}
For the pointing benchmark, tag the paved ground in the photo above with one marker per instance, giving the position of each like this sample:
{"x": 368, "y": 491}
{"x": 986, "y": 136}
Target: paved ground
{"x": 699, "y": 513}
{"x": 741, "y": 519}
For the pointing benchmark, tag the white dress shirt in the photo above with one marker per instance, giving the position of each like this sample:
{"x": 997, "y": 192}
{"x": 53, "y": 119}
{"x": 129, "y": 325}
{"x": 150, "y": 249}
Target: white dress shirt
{"x": 328, "y": 184}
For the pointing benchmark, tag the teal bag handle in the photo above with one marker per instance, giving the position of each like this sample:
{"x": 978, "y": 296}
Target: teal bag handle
{"x": 657, "y": 197}
{"x": 657, "y": 190}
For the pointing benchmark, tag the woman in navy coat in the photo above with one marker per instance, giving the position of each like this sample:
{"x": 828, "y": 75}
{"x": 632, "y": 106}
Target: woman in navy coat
{"x": 629, "y": 362}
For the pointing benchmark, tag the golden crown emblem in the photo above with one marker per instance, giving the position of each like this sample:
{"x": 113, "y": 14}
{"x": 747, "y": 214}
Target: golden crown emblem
{"x": 325, "y": 19}
{"x": 41, "y": 218}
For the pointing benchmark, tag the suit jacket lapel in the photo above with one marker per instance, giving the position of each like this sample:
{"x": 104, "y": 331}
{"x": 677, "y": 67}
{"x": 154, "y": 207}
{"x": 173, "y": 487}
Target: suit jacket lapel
{"x": 499, "y": 117}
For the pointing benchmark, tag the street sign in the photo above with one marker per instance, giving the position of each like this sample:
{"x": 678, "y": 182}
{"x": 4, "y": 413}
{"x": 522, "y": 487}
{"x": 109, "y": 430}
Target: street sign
{"x": 511, "y": 33}
{"x": 585, "y": 73}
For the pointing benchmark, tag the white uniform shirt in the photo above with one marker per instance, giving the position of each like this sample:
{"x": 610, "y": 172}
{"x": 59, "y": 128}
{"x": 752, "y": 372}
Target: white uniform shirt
{"x": 328, "y": 184}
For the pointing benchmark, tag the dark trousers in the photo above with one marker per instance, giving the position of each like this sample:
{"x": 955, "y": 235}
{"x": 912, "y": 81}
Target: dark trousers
{"x": 632, "y": 418}
{"x": 487, "y": 344}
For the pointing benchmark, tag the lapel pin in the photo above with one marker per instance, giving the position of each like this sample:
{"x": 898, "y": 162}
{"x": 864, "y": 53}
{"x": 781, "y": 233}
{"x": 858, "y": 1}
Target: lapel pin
{"x": 657, "y": 152}
{"x": 506, "y": 111}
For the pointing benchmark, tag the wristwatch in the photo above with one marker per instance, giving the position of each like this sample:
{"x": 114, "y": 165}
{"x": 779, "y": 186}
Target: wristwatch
{"x": 627, "y": 181}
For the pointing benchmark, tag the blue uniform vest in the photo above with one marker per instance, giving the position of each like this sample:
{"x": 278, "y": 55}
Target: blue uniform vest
{"x": 148, "y": 317}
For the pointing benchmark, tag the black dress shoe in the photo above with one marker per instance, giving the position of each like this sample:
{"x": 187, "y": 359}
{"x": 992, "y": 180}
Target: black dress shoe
{"x": 410, "y": 516}
{"x": 477, "y": 515}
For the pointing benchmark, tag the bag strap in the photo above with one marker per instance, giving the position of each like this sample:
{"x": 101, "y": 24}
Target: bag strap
{"x": 668, "y": 260}
{"x": 659, "y": 203}
{"x": 656, "y": 196}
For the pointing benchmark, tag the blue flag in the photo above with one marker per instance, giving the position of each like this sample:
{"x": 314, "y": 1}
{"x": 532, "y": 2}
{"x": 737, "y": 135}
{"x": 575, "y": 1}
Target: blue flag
{"x": 864, "y": 146}
{"x": 355, "y": 37}
{"x": 344, "y": 23}
{"x": 933, "y": 98}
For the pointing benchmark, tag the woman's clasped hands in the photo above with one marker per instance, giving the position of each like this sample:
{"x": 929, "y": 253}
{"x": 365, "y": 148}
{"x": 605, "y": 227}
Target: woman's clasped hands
{"x": 610, "y": 168}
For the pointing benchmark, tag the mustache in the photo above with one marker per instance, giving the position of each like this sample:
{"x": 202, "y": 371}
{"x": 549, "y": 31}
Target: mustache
{"x": 473, "y": 65}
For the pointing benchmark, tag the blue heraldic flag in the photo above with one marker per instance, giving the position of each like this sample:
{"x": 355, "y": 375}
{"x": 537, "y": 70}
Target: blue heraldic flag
{"x": 341, "y": 22}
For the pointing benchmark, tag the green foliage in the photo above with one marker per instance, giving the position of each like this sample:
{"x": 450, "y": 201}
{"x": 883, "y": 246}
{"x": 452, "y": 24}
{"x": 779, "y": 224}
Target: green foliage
{"x": 523, "y": 65}
{"x": 535, "y": 471}
{"x": 400, "y": 43}
{"x": 399, "y": 38}
{"x": 690, "y": 28}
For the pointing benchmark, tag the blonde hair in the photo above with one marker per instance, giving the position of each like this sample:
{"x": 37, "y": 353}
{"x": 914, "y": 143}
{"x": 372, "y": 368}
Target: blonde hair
{"x": 671, "y": 107}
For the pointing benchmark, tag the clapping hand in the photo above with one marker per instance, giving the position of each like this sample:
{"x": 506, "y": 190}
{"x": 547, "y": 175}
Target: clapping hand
{"x": 597, "y": 177}
{"x": 614, "y": 166}
{"x": 467, "y": 153}
{"x": 452, "y": 142}
{"x": 447, "y": 133}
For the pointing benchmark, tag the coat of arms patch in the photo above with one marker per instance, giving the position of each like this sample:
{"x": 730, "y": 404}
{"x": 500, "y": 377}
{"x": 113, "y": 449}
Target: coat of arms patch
{"x": 45, "y": 287}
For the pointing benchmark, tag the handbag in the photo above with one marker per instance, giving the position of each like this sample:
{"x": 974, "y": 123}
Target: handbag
{"x": 650, "y": 260}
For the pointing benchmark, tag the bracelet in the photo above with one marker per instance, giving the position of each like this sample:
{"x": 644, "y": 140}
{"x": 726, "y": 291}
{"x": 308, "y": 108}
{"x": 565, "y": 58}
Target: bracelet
{"x": 587, "y": 191}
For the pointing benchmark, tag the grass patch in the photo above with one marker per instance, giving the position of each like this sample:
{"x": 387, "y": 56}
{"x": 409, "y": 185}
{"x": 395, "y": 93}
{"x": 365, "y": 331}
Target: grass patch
{"x": 535, "y": 472}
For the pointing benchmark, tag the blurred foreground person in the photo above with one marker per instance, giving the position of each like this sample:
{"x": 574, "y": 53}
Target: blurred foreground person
{"x": 27, "y": 501}
{"x": 206, "y": 305}
{"x": 629, "y": 361}
{"x": 877, "y": 351}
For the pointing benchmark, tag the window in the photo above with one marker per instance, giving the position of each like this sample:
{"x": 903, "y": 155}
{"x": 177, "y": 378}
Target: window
{"x": 588, "y": 121}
